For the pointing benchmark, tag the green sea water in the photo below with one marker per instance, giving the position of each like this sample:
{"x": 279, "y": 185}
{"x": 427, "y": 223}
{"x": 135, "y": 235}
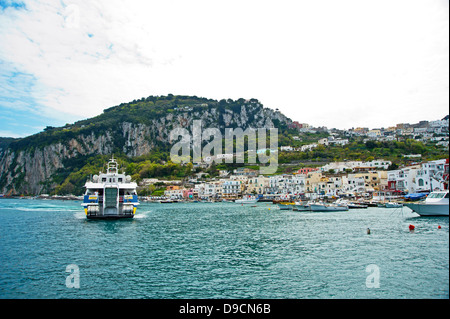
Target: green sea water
{"x": 220, "y": 250}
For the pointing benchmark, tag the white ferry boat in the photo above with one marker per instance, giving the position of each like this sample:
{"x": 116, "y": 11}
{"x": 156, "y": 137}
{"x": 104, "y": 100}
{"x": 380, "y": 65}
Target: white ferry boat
{"x": 110, "y": 195}
{"x": 436, "y": 204}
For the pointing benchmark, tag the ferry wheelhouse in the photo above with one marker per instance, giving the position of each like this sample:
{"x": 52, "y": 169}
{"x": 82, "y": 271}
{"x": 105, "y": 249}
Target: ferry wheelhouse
{"x": 110, "y": 195}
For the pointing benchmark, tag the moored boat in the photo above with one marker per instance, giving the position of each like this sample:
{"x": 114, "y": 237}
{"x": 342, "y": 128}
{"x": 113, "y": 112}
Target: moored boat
{"x": 110, "y": 195}
{"x": 322, "y": 207}
{"x": 393, "y": 205}
{"x": 356, "y": 206}
{"x": 247, "y": 200}
{"x": 301, "y": 207}
{"x": 285, "y": 206}
{"x": 350, "y": 205}
{"x": 436, "y": 204}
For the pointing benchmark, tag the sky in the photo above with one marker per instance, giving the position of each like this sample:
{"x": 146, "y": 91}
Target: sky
{"x": 339, "y": 64}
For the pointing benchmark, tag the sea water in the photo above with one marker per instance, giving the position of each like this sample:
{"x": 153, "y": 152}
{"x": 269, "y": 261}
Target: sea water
{"x": 48, "y": 249}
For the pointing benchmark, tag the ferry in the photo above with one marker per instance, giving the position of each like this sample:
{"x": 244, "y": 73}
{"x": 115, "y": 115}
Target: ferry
{"x": 436, "y": 204}
{"x": 110, "y": 195}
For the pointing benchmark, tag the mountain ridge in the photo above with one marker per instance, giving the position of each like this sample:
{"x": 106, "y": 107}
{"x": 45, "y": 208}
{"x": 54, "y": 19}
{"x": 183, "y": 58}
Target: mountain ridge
{"x": 35, "y": 164}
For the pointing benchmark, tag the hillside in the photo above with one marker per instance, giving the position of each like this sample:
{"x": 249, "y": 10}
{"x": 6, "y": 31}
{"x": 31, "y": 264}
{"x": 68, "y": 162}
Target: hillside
{"x": 59, "y": 159}
{"x": 132, "y": 131}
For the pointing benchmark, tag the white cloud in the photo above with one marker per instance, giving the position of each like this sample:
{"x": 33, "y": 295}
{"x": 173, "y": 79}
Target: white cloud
{"x": 333, "y": 63}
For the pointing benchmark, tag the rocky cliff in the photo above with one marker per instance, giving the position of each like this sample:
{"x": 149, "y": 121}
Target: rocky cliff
{"x": 31, "y": 165}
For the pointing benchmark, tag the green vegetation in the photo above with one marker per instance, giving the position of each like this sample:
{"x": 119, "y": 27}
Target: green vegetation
{"x": 157, "y": 164}
{"x": 357, "y": 150}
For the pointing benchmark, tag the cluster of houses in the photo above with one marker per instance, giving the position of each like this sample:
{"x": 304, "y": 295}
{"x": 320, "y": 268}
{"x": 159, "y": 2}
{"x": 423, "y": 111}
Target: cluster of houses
{"x": 424, "y": 131}
{"x": 334, "y": 179}
{"x": 353, "y": 178}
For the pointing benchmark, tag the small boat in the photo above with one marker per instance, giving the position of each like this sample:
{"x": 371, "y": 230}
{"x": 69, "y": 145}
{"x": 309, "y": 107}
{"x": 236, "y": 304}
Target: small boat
{"x": 283, "y": 201}
{"x": 322, "y": 207}
{"x": 285, "y": 206}
{"x": 393, "y": 205}
{"x": 436, "y": 204}
{"x": 356, "y": 206}
{"x": 246, "y": 200}
{"x": 301, "y": 207}
{"x": 350, "y": 205}
{"x": 286, "y": 203}
{"x": 110, "y": 195}
{"x": 370, "y": 203}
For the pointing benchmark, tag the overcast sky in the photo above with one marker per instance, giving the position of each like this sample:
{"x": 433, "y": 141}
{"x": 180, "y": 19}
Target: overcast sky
{"x": 341, "y": 64}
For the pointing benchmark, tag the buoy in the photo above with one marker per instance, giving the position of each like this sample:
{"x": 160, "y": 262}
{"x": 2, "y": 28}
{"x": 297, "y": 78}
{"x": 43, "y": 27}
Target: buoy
{"x": 412, "y": 227}
{"x": 269, "y": 209}
{"x": 368, "y": 231}
{"x": 439, "y": 227}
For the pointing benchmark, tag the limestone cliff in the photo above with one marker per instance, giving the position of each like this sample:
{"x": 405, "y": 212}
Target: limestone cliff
{"x": 29, "y": 165}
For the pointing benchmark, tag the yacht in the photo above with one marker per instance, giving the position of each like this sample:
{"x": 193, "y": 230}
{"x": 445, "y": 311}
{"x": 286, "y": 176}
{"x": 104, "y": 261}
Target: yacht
{"x": 435, "y": 204}
{"x": 110, "y": 195}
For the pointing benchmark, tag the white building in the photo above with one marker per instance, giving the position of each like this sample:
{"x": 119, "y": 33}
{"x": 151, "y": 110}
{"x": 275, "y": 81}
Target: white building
{"x": 417, "y": 178}
{"x": 308, "y": 147}
{"x": 333, "y": 186}
{"x": 211, "y": 189}
{"x": 341, "y": 166}
{"x": 231, "y": 189}
{"x": 174, "y": 193}
{"x": 379, "y": 163}
{"x": 286, "y": 184}
{"x": 354, "y": 185}
{"x": 323, "y": 141}
{"x": 338, "y": 141}
{"x": 402, "y": 179}
{"x": 429, "y": 177}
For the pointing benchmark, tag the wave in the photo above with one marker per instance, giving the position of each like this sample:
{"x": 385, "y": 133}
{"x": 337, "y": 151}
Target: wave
{"x": 44, "y": 209}
{"x": 141, "y": 215}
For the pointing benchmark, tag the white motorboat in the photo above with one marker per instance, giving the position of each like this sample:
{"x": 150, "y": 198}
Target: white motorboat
{"x": 436, "y": 204}
{"x": 350, "y": 205}
{"x": 322, "y": 207}
{"x": 301, "y": 207}
{"x": 246, "y": 200}
{"x": 285, "y": 206}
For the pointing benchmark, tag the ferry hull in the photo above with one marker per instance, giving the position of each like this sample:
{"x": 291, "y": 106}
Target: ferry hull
{"x": 94, "y": 212}
{"x": 110, "y": 217}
